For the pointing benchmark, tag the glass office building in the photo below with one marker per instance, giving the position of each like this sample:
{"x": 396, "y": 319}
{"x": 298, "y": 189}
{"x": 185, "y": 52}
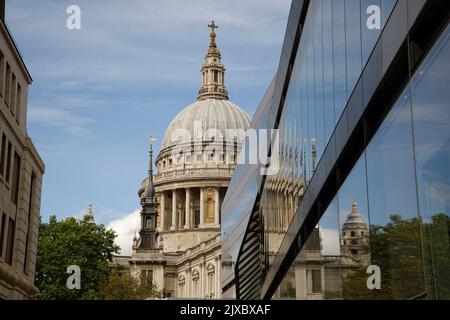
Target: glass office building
{"x": 360, "y": 206}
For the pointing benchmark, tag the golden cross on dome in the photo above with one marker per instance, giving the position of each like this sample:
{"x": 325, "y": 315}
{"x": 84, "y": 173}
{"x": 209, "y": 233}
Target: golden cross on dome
{"x": 213, "y": 26}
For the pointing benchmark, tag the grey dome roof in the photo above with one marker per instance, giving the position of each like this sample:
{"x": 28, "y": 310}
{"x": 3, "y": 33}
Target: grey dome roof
{"x": 351, "y": 219}
{"x": 208, "y": 115}
{"x": 354, "y": 217}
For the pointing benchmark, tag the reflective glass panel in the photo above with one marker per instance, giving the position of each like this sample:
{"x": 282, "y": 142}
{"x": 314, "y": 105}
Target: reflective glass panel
{"x": 431, "y": 116}
{"x": 394, "y": 219}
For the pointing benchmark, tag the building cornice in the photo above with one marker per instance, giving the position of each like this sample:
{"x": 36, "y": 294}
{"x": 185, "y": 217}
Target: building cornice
{"x": 15, "y": 50}
{"x": 29, "y": 146}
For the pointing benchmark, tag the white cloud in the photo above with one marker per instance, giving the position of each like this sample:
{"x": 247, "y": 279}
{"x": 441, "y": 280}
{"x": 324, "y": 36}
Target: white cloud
{"x": 108, "y": 49}
{"x": 128, "y": 47}
{"x": 125, "y": 228}
{"x": 73, "y": 124}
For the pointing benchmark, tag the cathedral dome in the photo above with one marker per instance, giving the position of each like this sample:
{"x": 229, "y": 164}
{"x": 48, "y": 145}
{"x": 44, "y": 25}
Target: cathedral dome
{"x": 203, "y": 118}
{"x": 212, "y": 116}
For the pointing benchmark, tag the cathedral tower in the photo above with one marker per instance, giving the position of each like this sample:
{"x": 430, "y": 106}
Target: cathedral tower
{"x": 213, "y": 71}
{"x": 179, "y": 241}
{"x": 354, "y": 236}
{"x": 148, "y": 212}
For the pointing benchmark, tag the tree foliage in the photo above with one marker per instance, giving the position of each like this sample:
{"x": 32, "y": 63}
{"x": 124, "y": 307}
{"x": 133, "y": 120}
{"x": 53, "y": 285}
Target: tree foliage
{"x": 121, "y": 285}
{"x": 73, "y": 242}
{"x": 405, "y": 250}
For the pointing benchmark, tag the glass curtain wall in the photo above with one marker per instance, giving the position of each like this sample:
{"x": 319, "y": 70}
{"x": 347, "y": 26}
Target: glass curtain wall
{"x": 335, "y": 46}
{"x": 386, "y": 234}
{"x": 430, "y": 99}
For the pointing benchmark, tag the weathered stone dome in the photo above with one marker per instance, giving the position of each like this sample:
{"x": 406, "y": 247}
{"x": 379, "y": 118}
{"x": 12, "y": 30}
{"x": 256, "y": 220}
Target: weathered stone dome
{"x": 354, "y": 217}
{"x": 202, "y": 118}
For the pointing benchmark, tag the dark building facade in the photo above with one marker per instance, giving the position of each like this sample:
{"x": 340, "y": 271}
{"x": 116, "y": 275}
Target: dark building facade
{"x": 359, "y": 208}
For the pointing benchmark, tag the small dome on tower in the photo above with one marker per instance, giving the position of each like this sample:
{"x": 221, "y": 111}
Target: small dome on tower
{"x": 354, "y": 217}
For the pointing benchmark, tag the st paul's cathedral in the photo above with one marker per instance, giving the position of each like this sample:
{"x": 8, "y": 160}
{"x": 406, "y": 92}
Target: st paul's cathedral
{"x": 179, "y": 239}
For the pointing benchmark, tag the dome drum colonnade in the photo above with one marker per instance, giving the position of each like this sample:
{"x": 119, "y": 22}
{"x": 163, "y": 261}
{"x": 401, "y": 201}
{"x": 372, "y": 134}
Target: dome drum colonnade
{"x": 185, "y": 212}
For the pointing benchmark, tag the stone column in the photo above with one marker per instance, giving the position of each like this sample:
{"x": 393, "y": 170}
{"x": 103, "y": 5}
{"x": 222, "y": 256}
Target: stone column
{"x": 174, "y": 210}
{"x": 187, "y": 214}
{"x": 162, "y": 211}
{"x": 188, "y": 283}
{"x": 180, "y": 215}
{"x": 202, "y": 208}
{"x": 218, "y": 280}
{"x": 301, "y": 282}
{"x": 202, "y": 281}
{"x": 217, "y": 207}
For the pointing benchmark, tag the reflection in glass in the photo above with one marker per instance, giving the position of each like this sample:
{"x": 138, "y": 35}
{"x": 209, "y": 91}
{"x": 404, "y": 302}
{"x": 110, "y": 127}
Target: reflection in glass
{"x": 328, "y": 90}
{"x": 431, "y": 117}
{"x": 332, "y": 265}
{"x": 392, "y": 211}
{"x": 369, "y": 35}
{"x": 354, "y": 226}
{"x": 339, "y": 53}
{"x": 304, "y": 280}
{"x": 386, "y": 9}
{"x": 326, "y": 68}
{"x": 331, "y": 251}
{"x": 310, "y": 110}
{"x": 395, "y": 224}
{"x": 353, "y": 42}
{"x": 318, "y": 82}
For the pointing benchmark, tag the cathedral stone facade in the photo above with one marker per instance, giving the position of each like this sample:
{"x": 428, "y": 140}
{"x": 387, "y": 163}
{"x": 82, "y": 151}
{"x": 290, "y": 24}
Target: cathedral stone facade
{"x": 179, "y": 242}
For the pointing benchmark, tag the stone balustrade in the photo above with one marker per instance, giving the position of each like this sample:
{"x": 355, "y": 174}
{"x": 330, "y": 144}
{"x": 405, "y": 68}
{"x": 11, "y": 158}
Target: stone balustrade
{"x": 183, "y": 174}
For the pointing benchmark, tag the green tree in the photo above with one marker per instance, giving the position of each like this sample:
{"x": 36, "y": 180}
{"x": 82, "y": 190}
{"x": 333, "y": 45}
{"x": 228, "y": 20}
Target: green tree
{"x": 396, "y": 249}
{"x": 436, "y": 238}
{"x": 73, "y": 242}
{"x": 120, "y": 285}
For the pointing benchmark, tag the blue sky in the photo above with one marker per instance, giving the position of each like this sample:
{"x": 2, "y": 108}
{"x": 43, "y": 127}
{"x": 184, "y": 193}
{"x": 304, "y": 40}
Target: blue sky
{"x": 100, "y": 92}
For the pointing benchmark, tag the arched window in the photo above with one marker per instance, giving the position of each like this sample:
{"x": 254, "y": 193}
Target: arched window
{"x": 149, "y": 223}
{"x": 353, "y": 234}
